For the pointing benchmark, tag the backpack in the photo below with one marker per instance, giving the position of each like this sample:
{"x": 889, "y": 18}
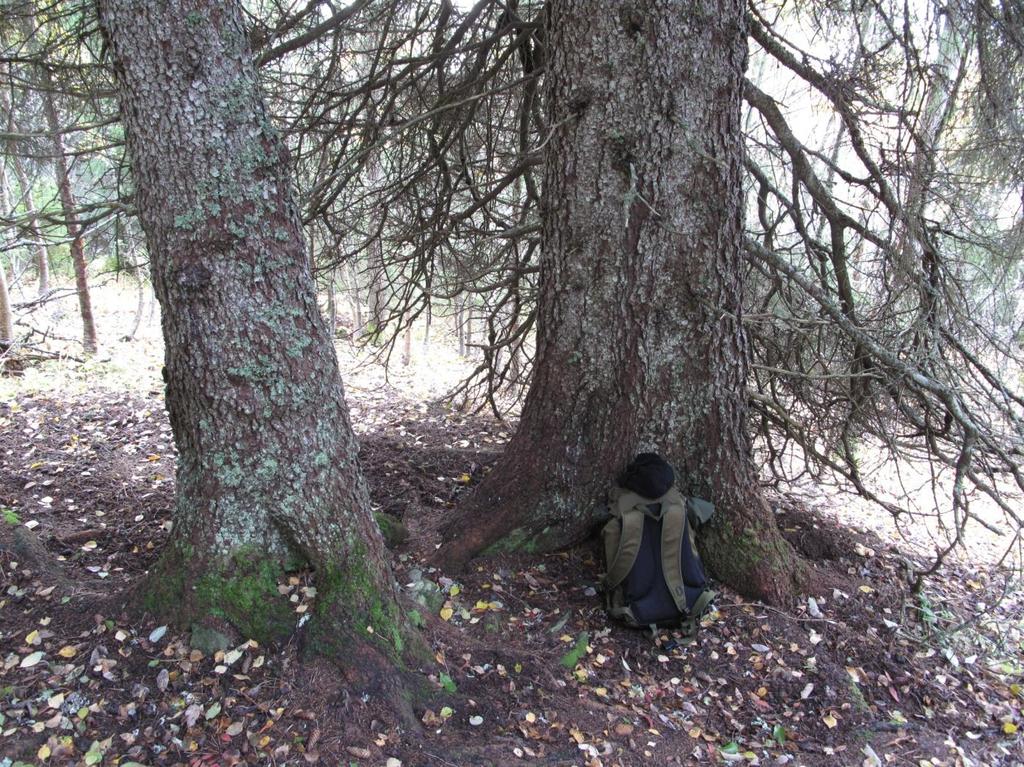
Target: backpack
{"x": 654, "y": 576}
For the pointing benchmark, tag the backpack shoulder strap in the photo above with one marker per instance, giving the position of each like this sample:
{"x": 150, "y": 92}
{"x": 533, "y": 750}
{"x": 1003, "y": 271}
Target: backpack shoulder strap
{"x": 627, "y": 525}
{"x": 673, "y": 527}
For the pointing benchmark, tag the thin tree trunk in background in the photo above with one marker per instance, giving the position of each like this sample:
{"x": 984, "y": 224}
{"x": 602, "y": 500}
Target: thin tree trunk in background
{"x": 6, "y": 313}
{"x": 354, "y": 301}
{"x": 639, "y": 339}
{"x": 460, "y": 328}
{"x": 268, "y": 476}
{"x": 332, "y": 306}
{"x": 9, "y": 240}
{"x": 140, "y": 287}
{"x": 42, "y": 260}
{"x": 407, "y": 345}
{"x": 426, "y": 327}
{"x": 69, "y": 210}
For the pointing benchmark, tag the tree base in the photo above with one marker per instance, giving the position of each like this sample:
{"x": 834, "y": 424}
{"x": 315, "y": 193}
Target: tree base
{"x": 752, "y": 557}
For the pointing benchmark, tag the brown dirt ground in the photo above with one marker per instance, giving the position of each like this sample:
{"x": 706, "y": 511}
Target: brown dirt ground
{"x": 875, "y": 675}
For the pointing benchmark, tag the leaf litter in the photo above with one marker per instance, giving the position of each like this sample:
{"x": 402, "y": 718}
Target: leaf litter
{"x": 528, "y": 668}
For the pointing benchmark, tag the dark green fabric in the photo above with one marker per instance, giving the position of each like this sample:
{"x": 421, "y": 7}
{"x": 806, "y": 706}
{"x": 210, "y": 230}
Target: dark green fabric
{"x": 673, "y": 528}
{"x": 699, "y": 510}
{"x": 622, "y": 541}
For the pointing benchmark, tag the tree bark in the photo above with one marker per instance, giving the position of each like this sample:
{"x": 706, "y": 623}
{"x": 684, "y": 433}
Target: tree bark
{"x": 639, "y": 344}
{"x": 268, "y": 478}
{"x": 69, "y": 211}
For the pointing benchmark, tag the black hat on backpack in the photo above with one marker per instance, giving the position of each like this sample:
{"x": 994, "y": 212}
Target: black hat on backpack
{"x": 648, "y": 475}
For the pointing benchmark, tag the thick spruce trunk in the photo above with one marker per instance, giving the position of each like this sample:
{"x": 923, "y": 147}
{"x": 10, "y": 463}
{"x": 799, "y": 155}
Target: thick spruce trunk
{"x": 640, "y": 345}
{"x": 268, "y": 477}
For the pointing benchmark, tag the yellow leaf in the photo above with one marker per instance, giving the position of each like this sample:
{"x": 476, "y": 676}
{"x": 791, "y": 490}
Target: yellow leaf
{"x": 830, "y": 720}
{"x": 32, "y": 637}
{"x": 446, "y": 613}
{"x": 600, "y": 691}
{"x": 43, "y": 753}
{"x": 264, "y": 741}
{"x": 694, "y": 732}
{"x": 482, "y": 605}
{"x": 1009, "y": 728}
{"x": 67, "y": 651}
{"x": 455, "y": 590}
{"x": 531, "y": 717}
{"x": 576, "y": 735}
{"x": 464, "y": 479}
{"x": 867, "y": 589}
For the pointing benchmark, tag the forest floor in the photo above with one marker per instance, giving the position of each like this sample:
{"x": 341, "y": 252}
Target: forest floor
{"x": 528, "y": 669}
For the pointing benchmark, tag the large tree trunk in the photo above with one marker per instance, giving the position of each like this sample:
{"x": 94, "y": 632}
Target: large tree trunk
{"x": 69, "y": 211}
{"x": 268, "y": 478}
{"x": 639, "y": 338}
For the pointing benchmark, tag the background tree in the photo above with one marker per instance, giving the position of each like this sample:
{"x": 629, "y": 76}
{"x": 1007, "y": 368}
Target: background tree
{"x": 882, "y": 236}
{"x": 639, "y": 339}
{"x": 878, "y": 245}
{"x": 268, "y": 478}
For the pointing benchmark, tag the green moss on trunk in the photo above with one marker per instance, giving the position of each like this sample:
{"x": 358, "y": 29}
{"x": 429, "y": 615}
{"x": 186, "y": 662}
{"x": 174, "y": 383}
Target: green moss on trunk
{"x": 522, "y": 539}
{"x": 241, "y": 591}
{"x": 756, "y": 561}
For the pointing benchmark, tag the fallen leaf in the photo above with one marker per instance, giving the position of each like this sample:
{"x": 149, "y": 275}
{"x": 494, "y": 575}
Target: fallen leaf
{"x": 30, "y": 660}
{"x": 830, "y": 720}
{"x": 192, "y": 714}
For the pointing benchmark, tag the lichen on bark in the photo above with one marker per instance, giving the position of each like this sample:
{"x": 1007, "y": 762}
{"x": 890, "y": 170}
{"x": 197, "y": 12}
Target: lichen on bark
{"x": 268, "y": 476}
{"x": 640, "y": 344}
